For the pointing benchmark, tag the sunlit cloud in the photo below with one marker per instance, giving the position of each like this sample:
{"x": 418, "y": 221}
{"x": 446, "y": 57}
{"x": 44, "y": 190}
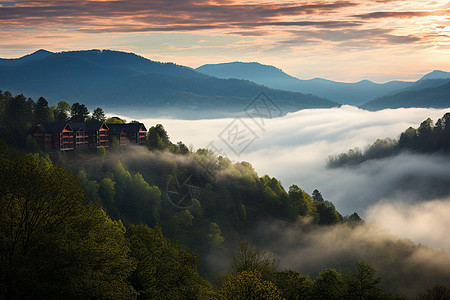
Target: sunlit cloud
{"x": 426, "y": 222}
{"x": 298, "y": 37}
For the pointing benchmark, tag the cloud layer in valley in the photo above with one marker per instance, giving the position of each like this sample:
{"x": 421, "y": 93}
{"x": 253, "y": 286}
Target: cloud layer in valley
{"x": 295, "y": 148}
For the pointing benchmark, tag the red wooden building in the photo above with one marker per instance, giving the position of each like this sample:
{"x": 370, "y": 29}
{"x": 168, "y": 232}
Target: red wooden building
{"x": 132, "y": 133}
{"x": 90, "y": 135}
{"x": 87, "y": 135}
{"x": 57, "y": 136}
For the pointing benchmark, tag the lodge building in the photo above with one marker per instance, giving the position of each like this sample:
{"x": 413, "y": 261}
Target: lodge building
{"x": 87, "y": 135}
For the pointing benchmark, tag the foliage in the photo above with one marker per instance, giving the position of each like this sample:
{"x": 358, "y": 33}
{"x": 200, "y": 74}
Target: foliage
{"x": 62, "y": 111}
{"x": 363, "y": 284}
{"x": 293, "y": 285}
{"x": 16, "y": 117}
{"x": 316, "y": 195}
{"x": 437, "y": 292}
{"x": 427, "y": 138}
{"x": 248, "y": 285}
{"x": 115, "y": 120}
{"x": 248, "y": 258}
{"x": 52, "y": 244}
{"x": 131, "y": 185}
{"x": 43, "y": 114}
{"x": 98, "y": 115}
{"x": 79, "y": 112}
{"x": 165, "y": 270}
{"x": 330, "y": 284}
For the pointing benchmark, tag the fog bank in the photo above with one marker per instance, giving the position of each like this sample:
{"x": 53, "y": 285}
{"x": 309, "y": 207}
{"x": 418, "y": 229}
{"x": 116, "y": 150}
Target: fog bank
{"x": 294, "y": 149}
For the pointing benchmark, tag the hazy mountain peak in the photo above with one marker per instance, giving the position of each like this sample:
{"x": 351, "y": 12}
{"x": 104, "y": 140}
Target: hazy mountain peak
{"x": 365, "y": 81}
{"x": 37, "y": 55}
{"x": 242, "y": 70}
{"x": 436, "y": 74}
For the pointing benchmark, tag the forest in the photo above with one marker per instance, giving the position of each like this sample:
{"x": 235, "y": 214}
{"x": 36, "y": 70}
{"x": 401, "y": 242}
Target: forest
{"x": 428, "y": 138}
{"x": 143, "y": 222}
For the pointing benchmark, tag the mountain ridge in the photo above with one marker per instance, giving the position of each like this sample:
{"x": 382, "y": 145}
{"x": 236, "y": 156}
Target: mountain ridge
{"x": 430, "y": 97}
{"x": 364, "y": 93}
{"x": 124, "y": 80}
{"x": 355, "y": 93}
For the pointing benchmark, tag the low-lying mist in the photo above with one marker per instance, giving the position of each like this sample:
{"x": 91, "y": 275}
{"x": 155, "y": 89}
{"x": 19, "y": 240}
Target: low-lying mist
{"x": 406, "y": 268}
{"x": 401, "y": 197}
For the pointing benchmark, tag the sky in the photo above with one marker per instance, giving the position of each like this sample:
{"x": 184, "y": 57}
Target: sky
{"x": 402, "y": 194}
{"x": 343, "y": 40}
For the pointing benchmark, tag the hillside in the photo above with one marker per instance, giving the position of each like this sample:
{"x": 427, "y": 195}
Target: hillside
{"x": 193, "y": 199}
{"x": 437, "y": 74}
{"x": 432, "y": 97}
{"x": 346, "y": 93}
{"x": 118, "y": 80}
{"x": 429, "y": 137}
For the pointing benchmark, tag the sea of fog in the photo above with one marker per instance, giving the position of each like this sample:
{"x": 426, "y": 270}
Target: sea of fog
{"x": 401, "y": 194}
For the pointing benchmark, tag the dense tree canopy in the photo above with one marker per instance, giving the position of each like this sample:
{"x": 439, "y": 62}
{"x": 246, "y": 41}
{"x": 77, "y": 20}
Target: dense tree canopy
{"x": 427, "y": 138}
{"x": 53, "y": 245}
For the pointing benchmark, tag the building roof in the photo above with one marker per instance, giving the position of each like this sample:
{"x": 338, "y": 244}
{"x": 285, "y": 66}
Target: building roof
{"x": 134, "y": 127}
{"x": 116, "y": 128}
{"x": 92, "y": 126}
{"x": 86, "y": 126}
{"x": 129, "y": 128}
{"x": 53, "y": 127}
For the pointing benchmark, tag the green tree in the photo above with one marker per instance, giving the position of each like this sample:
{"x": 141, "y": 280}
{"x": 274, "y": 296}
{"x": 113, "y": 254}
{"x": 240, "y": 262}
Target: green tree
{"x": 154, "y": 141}
{"x": 248, "y": 285}
{"x": 408, "y": 139}
{"x": 52, "y": 244}
{"x": 363, "y": 284}
{"x": 326, "y": 214}
{"x": 182, "y": 148}
{"x": 122, "y": 178}
{"x": 316, "y": 195}
{"x": 115, "y": 120}
{"x": 215, "y": 237}
{"x": 158, "y": 138}
{"x": 143, "y": 201}
{"x": 299, "y": 203}
{"x": 42, "y": 113}
{"x": 181, "y": 225}
{"x": 107, "y": 190}
{"x": 329, "y": 285}
{"x": 79, "y": 112}
{"x": 248, "y": 258}
{"x": 425, "y": 135}
{"x": 18, "y": 117}
{"x": 437, "y": 292}
{"x": 62, "y": 111}
{"x": 293, "y": 285}
{"x": 99, "y": 115}
{"x": 165, "y": 270}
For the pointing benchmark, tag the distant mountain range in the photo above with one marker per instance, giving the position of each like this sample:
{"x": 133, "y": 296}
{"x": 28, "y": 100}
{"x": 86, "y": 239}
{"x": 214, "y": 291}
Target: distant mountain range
{"x": 358, "y": 93}
{"x": 119, "y": 80}
{"x": 126, "y": 82}
{"x": 435, "y": 97}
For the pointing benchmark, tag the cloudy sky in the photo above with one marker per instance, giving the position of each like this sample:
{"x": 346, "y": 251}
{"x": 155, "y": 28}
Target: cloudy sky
{"x": 341, "y": 40}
